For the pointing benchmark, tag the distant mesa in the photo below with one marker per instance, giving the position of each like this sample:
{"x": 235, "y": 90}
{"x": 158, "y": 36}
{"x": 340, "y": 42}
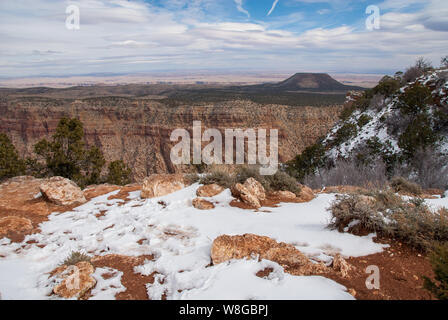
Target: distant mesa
{"x": 310, "y": 82}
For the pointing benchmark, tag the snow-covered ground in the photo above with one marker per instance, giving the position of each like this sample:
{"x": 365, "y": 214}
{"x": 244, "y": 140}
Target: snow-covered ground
{"x": 180, "y": 237}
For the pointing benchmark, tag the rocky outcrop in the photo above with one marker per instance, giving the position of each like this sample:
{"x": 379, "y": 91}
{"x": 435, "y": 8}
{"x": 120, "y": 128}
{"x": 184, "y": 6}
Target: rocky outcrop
{"x": 210, "y": 190}
{"x": 202, "y": 204}
{"x": 342, "y": 266}
{"x": 159, "y": 185}
{"x": 138, "y": 130}
{"x": 98, "y": 190}
{"x": 62, "y": 192}
{"x": 76, "y": 280}
{"x": 249, "y": 246}
{"x": 14, "y": 224}
{"x": 21, "y": 198}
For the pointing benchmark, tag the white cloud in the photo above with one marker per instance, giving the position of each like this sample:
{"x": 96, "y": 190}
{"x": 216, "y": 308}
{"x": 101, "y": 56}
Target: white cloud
{"x": 127, "y": 37}
{"x": 274, "y": 5}
{"x": 239, "y": 6}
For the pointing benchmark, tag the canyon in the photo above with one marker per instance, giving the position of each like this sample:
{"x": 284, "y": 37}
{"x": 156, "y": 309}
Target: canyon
{"x": 134, "y": 123}
{"x": 137, "y": 131}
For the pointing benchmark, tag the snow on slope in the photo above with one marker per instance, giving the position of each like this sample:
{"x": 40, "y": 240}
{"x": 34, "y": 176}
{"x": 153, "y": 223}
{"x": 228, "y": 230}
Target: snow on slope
{"x": 379, "y": 129}
{"x": 180, "y": 237}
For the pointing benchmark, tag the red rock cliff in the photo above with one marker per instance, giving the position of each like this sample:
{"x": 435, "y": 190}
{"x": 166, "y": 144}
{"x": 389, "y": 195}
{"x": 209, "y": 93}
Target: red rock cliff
{"x": 138, "y": 131}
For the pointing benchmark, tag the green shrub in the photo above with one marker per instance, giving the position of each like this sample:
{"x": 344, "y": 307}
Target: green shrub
{"x": 387, "y": 86}
{"x": 311, "y": 159}
{"x": 119, "y": 173}
{"x": 361, "y": 103}
{"x": 415, "y": 99}
{"x": 385, "y": 151}
{"x": 418, "y": 135}
{"x": 67, "y": 156}
{"x": 400, "y": 184}
{"x": 10, "y": 163}
{"x": 347, "y": 112}
{"x": 364, "y": 120}
{"x": 345, "y": 133}
{"x": 281, "y": 181}
{"x": 439, "y": 262}
{"x": 76, "y": 257}
{"x": 391, "y": 216}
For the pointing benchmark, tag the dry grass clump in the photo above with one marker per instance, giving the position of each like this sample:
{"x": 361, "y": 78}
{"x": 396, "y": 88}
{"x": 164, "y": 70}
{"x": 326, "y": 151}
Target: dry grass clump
{"x": 76, "y": 257}
{"x": 219, "y": 177}
{"x": 401, "y": 185}
{"x": 389, "y": 215}
{"x": 191, "y": 178}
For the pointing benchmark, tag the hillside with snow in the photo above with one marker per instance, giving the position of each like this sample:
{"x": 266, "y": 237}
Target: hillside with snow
{"x": 379, "y": 119}
{"x": 398, "y": 128}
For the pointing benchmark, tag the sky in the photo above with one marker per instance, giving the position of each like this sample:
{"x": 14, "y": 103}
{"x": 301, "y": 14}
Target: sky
{"x": 136, "y": 36}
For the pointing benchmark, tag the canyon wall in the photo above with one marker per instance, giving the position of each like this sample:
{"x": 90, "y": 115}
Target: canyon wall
{"x": 138, "y": 130}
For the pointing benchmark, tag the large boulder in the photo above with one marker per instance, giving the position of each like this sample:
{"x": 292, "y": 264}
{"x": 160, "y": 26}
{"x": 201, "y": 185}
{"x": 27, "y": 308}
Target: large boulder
{"x": 306, "y": 194}
{"x": 256, "y": 188}
{"x": 62, "y": 191}
{"x": 241, "y": 192}
{"x": 251, "y": 192}
{"x": 159, "y": 185}
{"x": 76, "y": 280}
{"x": 202, "y": 204}
{"x": 248, "y": 246}
{"x": 210, "y": 190}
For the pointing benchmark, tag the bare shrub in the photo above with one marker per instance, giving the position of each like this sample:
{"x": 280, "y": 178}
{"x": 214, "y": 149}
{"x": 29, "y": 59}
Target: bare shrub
{"x": 191, "y": 178}
{"x": 245, "y": 172}
{"x": 431, "y": 169}
{"x": 412, "y": 74}
{"x": 389, "y": 215}
{"x": 377, "y": 102}
{"x": 400, "y": 184}
{"x": 219, "y": 177}
{"x": 348, "y": 173}
{"x": 421, "y": 66}
{"x": 428, "y": 168}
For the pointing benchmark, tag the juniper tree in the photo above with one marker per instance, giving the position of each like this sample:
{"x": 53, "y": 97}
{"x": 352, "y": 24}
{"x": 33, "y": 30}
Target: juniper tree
{"x": 11, "y": 164}
{"x": 66, "y": 155}
{"x": 119, "y": 173}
